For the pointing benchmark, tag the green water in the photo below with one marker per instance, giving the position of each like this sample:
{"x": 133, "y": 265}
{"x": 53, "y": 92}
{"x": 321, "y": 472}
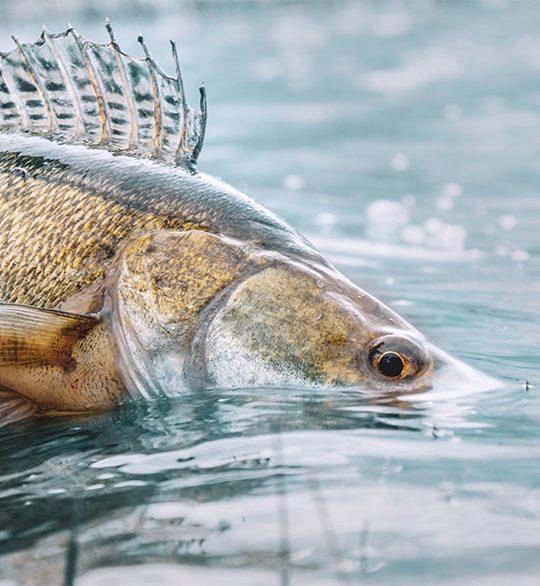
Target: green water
{"x": 403, "y": 139}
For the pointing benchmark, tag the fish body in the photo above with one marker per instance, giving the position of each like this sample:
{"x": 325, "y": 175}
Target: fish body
{"x": 126, "y": 272}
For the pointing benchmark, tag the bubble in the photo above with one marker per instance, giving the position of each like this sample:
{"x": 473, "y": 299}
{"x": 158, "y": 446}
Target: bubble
{"x": 385, "y": 218}
{"x": 267, "y": 69}
{"x": 520, "y": 255}
{"x": 299, "y": 32}
{"x": 501, "y": 251}
{"x": 293, "y": 182}
{"x": 433, "y": 225}
{"x": 400, "y": 162}
{"x": 446, "y": 236}
{"x": 508, "y": 222}
{"x": 389, "y": 281}
{"x": 391, "y": 24}
{"x": 426, "y": 67}
{"x": 452, "y": 189}
{"x": 384, "y": 211}
{"x": 326, "y": 218}
{"x": 352, "y": 19}
{"x": 445, "y": 203}
{"x": 412, "y": 234}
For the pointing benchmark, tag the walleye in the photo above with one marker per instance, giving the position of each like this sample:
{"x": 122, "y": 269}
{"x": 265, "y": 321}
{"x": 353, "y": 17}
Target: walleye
{"x": 124, "y": 272}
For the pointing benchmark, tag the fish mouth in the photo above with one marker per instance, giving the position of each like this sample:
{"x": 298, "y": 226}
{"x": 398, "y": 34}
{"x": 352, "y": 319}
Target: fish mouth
{"x": 453, "y": 378}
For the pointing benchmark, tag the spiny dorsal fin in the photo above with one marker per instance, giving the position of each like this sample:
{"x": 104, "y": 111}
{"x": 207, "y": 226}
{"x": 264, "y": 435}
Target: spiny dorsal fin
{"x": 70, "y": 89}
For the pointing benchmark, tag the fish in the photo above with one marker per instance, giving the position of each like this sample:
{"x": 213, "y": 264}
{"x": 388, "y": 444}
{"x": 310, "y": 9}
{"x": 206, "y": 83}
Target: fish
{"x": 128, "y": 274}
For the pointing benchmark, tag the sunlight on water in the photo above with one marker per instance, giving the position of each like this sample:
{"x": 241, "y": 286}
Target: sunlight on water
{"x": 403, "y": 140}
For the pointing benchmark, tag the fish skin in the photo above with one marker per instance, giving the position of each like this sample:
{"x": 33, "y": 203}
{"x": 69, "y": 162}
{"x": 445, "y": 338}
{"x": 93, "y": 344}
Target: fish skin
{"x": 65, "y": 211}
{"x": 66, "y": 214}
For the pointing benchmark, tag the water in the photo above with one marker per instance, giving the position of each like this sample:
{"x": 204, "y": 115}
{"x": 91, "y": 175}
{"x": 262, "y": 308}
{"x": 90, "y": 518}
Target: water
{"x": 403, "y": 139}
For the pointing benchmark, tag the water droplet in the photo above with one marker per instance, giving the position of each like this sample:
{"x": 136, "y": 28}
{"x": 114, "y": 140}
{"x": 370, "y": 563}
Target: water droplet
{"x": 400, "y": 162}
{"x": 445, "y": 203}
{"x": 326, "y": 218}
{"x": 293, "y": 182}
{"x": 412, "y": 234}
{"x": 508, "y": 222}
{"x": 452, "y": 189}
{"x": 445, "y": 236}
{"x": 385, "y": 218}
{"x": 520, "y": 255}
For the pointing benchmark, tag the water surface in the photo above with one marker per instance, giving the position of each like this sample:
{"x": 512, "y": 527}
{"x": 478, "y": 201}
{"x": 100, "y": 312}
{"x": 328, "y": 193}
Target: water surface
{"x": 403, "y": 140}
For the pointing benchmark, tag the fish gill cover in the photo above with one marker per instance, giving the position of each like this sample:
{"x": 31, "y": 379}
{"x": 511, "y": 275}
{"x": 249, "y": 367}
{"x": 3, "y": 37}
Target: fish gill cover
{"x": 72, "y": 90}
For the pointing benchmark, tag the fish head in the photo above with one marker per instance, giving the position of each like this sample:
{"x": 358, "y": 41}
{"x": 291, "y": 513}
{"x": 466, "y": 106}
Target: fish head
{"x": 196, "y": 310}
{"x": 292, "y": 325}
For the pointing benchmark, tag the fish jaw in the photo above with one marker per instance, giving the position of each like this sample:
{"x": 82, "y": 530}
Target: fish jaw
{"x": 453, "y": 378}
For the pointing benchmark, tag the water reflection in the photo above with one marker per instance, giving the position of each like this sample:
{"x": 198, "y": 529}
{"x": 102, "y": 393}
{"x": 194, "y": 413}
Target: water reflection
{"x": 126, "y": 485}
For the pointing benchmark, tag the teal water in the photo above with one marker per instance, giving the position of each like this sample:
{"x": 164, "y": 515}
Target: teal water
{"x": 403, "y": 140}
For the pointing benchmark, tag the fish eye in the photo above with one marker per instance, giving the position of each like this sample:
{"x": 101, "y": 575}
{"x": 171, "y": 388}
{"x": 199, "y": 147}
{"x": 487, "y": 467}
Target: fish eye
{"x": 396, "y": 358}
{"x": 391, "y": 364}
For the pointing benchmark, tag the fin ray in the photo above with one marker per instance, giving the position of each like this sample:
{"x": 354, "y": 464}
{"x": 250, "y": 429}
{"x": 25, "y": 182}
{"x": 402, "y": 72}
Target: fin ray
{"x": 30, "y": 65}
{"x": 79, "y": 126}
{"x": 30, "y": 335}
{"x": 68, "y": 88}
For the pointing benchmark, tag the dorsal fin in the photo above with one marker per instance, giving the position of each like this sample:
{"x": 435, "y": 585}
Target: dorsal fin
{"x": 66, "y": 88}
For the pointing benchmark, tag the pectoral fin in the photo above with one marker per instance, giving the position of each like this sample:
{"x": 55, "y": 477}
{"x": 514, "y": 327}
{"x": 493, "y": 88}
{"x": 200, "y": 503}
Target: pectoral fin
{"x": 59, "y": 361}
{"x": 35, "y": 336}
{"x": 14, "y": 407}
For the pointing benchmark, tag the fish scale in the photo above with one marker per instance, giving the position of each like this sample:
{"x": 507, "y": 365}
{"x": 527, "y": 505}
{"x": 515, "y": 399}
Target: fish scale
{"x": 57, "y": 214}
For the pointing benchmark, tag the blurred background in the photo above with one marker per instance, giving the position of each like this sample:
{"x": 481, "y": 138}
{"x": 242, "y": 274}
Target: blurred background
{"x": 403, "y": 139}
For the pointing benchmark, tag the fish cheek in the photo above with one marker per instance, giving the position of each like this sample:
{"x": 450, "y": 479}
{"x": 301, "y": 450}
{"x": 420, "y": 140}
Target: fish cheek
{"x": 184, "y": 271}
{"x": 281, "y": 327}
{"x": 165, "y": 280}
